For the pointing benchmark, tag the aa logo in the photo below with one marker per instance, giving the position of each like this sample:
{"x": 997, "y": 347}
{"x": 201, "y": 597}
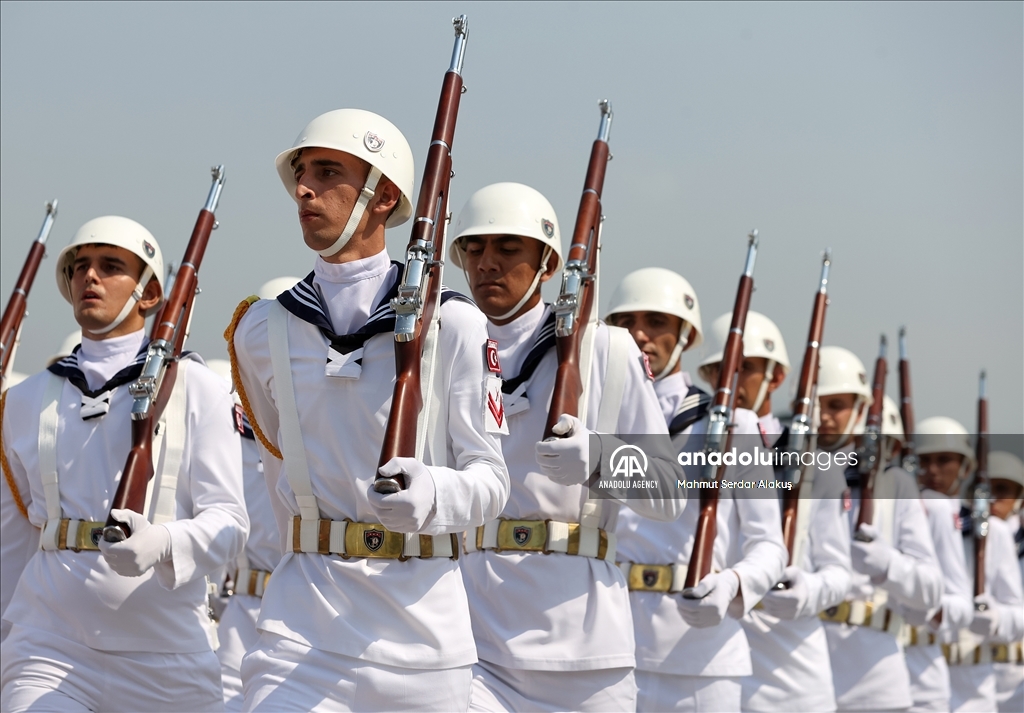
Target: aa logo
{"x": 628, "y": 461}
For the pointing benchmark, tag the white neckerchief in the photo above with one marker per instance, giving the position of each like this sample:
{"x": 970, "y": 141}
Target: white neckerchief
{"x": 100, "y": 359}
{"x": 671, "y": 391}
{"x": 515, "y": 338}
{"x": 352, "y": 289}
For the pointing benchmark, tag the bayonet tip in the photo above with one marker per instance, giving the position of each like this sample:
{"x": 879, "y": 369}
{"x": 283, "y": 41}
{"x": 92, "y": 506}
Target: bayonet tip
{"x": 51, "y": 207}
{"x": 752, "y": 236}
{"x": 460, "y": 24}
{"x": 606, "y": 106}
{"x": 827, "y": 256}
{"x": 217, "y": 172}
{"x": 903, "y": 332}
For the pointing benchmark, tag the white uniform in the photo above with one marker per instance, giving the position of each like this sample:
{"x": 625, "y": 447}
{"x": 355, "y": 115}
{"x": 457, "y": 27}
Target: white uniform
{"x": 237, "y": 627}
{"x": 82, "y": 635}
{"x": 789, "y": 658}
{"x": 868, "y": 667}
{"x": 558, "y": 612}
{"x": 929, "y": 674}
{"x": 1010, "y": 675}
{"x": 974, "y": 685}
{"x": 360, "y": 613}
{"x": 671, "y": 674}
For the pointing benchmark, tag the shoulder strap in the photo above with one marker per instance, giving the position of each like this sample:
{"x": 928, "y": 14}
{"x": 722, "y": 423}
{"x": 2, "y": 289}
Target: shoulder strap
{"x": 614, "y": 380}
{"x": 164, "y": 506}
{"x": 296, "y": 465}
{"x": 48, "y": 459}
{"x": 885, "y": 505}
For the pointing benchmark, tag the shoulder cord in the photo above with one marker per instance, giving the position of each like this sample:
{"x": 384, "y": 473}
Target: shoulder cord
{"x": 229, "y": 335}
{"x": 8, "y": 476}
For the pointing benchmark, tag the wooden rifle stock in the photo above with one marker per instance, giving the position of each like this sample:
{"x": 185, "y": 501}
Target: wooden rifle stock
{"x": 981, "y": 493}
{"x": 421, "y": 283}
{"x": 908, "y": 459}
{"x": 154, "y": 386}
{"x": 719, "y": 427}
{"x": 14, "y": 312}
{"x": 871, "y": 462}
{"x": 803, "y": 408}
{"x": 576, "y": 300}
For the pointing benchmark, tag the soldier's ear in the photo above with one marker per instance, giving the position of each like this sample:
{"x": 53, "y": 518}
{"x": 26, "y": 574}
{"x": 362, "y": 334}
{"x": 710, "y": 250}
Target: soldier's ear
{"x": 387, "y": 197}
{"x": 552, "y": 266}
{"x": 777, "y": 378}
{"x": 150, "y": 296}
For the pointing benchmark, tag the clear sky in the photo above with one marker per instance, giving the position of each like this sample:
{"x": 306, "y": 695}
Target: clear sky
{"x": 890, "y": 132}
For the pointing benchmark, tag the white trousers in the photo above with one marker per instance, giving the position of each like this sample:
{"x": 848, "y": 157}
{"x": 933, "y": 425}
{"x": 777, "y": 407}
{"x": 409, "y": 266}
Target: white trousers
{"x": 237, "y": 634}
{"x": 929, "y": 678}
{"x": 1009, "y": 687}
{"x": 46, "y": 672}
{"x": 283, "y": 675}
{"x": 972, "y": 688}
{"x": 687, "y": 694}
{"x": 496, "y": 688}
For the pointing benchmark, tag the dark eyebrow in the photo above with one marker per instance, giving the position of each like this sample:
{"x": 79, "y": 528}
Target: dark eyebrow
{"x": 327, "y": 162}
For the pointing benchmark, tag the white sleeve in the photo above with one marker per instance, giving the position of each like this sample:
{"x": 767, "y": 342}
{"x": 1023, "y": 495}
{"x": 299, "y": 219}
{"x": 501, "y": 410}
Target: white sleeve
{"x": 20, "y": 539}
{"x": 829, "y": 535}
{"x": 210, "y": 490}
{"x": 914, "y": 577}
{"x": 476, "y": 486}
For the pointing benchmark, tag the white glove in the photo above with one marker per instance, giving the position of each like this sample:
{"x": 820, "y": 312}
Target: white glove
{"x": 793, "y": 602}
{"x": 407, "y": 510}
{"x": 871, "y": 558}
{"x": 565, "y": 459}
{"x": 985, "y": 623}
{"x": 148, "y": 545}
{"x": 711, "y": 599}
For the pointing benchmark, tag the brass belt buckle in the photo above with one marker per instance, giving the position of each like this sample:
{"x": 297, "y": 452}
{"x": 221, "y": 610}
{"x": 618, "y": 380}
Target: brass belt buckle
{"x": 650, "y": 577}
{"x": 522, "y": 535}
{"x": 372, "y": 540}
{"x": 88, "y": 536}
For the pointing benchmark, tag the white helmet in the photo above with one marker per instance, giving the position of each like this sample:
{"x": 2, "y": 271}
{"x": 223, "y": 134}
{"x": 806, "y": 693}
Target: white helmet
{"x": 841, "y": 372}
{"x": 271, "y": 289}
{"x": 66, "y": 347}
{"x": 123, "y": 233}
{"x": 761, "y": 338}
{"x": 509, "y": 209}
{"x": 892, "y": 422}
{"x": 1006, "y": 466}
{"x": 940, "y": 434}
{"x": 655, "y": 289}
{"x": 364, "y": 135}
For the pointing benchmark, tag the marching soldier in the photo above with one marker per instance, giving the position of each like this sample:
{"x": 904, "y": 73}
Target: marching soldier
{"x": 114, "y": 625}
{"x": 559, "y": 635}
{"x": 930, "y": 631}
{"x": 660, "y": 310}
{"x": 788, "y": 650}
{"x": 1006, "y": 472}
{"x": 367, "y": 608}
{"x": 894, "y": 562}
{"x": 947, "y": 460}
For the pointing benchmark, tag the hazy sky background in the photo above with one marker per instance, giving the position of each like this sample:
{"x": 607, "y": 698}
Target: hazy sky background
{"x": 890, "y": 132}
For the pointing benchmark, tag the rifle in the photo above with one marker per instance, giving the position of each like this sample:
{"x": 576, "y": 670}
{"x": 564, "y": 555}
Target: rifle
{"x": 909, "y": 460}
{"x": 153, "y": 387}
{"x": 981, "y": 494}
{"x": 14, "y": 313}
{"x": 871, "y": 457}
{"x": 801, "y": 438}
{"x": 579, "y": 281}
{"x": 416, "y": 306}
{"x": 720, "y": 427}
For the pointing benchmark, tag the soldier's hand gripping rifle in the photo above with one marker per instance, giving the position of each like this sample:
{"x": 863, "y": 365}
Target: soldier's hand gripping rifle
{"x": 153, "y": 387}
{"x": 871, "y": 455}
{"x": 720, "y": 428}
{"x": 981, "y": 494}
{"x": 908, "y": 459}
{"x": 416, "y": 306}
{"x": 801, "y": 440}
{"x": 575, "y": 301}
{"x": 14, "y": 312}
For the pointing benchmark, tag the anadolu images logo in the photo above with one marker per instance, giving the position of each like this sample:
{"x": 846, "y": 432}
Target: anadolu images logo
{"x": 628, "y": 461}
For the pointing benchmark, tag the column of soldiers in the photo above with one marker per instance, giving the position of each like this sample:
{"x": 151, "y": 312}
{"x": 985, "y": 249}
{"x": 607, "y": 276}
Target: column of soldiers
{"x": 493, "y": 581}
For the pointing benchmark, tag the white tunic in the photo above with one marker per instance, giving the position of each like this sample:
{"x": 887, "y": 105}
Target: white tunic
{"x": 75, "y": 594}
{"x": 557, "y": 612}
{"x": 868, "y": 668}
{"x": 410, "y": 614}
{"x": 749, "y": 542}
{"x": 790, "y": 660}
{"x": 929, "y": 675}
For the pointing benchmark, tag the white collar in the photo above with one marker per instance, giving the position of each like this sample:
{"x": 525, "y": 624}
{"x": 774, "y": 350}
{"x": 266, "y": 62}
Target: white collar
{"x": 353, "y": 271}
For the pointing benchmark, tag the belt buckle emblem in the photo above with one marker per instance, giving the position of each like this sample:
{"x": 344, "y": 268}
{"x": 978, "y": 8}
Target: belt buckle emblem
{"x": 521, "y": 534}
{"x": 373, "y": 539}
{"x": 650, "y": 577}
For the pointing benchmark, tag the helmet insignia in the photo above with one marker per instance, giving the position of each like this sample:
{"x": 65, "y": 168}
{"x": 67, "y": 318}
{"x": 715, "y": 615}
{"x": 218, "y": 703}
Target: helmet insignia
{"x": 689, "y": 301}
{"x": 769, "y": 345}
{"x": 863, "y": 377}
{"x": 148, "y": 248}
{"x": 373, "y": 142}
{"x": 548, "y": 227}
